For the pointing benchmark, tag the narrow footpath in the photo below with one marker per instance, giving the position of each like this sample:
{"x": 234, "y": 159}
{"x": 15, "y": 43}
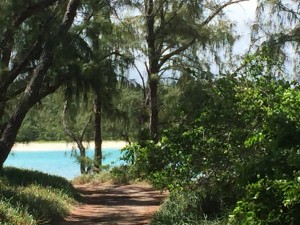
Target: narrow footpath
{"x": 115, "y": 205}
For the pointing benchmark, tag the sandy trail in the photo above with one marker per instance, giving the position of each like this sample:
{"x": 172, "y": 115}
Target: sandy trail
{"x": 115, "y": 205}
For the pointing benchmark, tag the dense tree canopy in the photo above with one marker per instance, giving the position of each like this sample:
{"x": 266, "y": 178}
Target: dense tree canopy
{"x": 172, "y": 36}
{"x": 226, "y": 145}
{"x": 28, "y": 50}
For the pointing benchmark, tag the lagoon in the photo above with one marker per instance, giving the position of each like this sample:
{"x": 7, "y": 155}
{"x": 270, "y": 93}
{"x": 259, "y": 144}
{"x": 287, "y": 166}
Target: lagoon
{"x": 58, "y": 162}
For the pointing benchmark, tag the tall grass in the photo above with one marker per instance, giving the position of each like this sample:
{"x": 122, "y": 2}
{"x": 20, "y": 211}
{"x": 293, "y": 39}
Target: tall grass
{"x": 114, "y": 175}
{"x": 185, "y": 208}
{"x": 31, "y": 197}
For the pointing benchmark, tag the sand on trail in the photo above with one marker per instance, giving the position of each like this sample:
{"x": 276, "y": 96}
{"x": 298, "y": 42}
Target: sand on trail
{"x": 109, "y": 204}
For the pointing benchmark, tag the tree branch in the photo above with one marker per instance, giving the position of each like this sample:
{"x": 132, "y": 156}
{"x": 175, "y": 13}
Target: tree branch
{"x": 31, "y": 93}
{"x": 85, "y": 127}
{"x": 7, "y": 42}
{"x": 218, "y": 10}
{"x": 143, "y": 81}
{"x": 17, "y": 69}
{"x": 165, "y": 58}
{"x": 65, "y": 126}
{"x": 30, "y": 10}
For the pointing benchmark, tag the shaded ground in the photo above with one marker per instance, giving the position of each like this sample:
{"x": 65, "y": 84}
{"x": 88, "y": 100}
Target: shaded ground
{"x": 115, "y": 205}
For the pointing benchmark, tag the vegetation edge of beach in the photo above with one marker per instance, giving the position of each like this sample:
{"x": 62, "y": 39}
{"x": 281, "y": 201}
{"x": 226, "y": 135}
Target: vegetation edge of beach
{"x": 31, "y": 197}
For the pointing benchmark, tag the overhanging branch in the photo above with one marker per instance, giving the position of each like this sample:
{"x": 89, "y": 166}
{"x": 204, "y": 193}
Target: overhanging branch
{"x": 218, "y": 10}
{"x": 184, "y": 47}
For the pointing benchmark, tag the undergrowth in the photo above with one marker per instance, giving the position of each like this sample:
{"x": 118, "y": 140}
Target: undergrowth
{"x": 31, "y": 197}
{"x": 185, "y": 208}
{"x": 115, "y": 175}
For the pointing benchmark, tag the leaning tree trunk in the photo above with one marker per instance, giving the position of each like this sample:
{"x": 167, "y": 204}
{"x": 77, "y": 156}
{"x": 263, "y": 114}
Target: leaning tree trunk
{"x": 83, "y": 164}
{"x": 78, "y": 139}
{"x": 32, "y": 93}
{"x": 2, "y": 108}
{"x": 11, "y": 129}
{"x": 98, "y": 133}
{"x": 30, "y": 98}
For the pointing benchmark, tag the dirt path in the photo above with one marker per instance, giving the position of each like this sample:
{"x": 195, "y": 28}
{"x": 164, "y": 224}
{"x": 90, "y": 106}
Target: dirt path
{"x": 115, "y": 205}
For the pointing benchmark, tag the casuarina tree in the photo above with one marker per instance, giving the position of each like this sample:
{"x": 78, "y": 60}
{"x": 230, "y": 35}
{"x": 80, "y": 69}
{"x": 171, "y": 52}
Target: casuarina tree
{"x": 27, "y": 52}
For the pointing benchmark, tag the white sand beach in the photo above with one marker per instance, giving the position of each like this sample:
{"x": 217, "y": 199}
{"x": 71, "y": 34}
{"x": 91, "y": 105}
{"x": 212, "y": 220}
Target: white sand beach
{"x": 62, "y": 146}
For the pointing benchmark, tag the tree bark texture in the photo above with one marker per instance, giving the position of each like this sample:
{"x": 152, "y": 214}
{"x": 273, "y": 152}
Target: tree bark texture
{"x": 153, "y": 71}
{"x": 153, "y": 85}
{"x": 98, "y": 133}
{"x": 83, "y": 165}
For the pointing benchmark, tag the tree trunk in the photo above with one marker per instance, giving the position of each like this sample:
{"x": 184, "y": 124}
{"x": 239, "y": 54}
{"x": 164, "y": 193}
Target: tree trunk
{"x": 10, "y": 132}
{"x": 2, "y": 108}
{"x": 97, "y": 133}
{"x": 29, "y": 99}
{"x": 153, "y": 84}
{"x": 153, "y": 70}
{"x": 83, "y": 165}
{"x": 32, "y": 93}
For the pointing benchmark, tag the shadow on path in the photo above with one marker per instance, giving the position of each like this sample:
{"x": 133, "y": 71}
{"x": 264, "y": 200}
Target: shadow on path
{"x": 115, "y": 205}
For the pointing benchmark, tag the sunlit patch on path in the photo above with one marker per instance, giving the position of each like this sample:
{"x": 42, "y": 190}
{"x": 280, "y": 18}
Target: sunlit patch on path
{"x": 114, "y": 204}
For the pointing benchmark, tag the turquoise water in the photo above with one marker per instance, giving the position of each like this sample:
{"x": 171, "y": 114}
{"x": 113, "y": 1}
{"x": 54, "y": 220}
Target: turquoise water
{"x": 60, "y": 163}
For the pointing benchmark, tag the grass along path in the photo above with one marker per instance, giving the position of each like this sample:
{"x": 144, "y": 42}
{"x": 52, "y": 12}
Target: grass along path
{"x": 108, "y": 204}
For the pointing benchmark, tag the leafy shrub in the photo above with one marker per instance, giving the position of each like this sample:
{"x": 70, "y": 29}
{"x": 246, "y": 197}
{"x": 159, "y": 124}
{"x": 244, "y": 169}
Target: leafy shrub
{"x": 143, "y": 159}
{"x": 269, "y": 202}
{"x": 187, "y": 208}
{"x": 124, "y": 174}
{"x": 247, "y": 129}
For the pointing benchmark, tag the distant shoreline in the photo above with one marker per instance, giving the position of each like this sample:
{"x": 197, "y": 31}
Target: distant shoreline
{"x": 61, "y": 146}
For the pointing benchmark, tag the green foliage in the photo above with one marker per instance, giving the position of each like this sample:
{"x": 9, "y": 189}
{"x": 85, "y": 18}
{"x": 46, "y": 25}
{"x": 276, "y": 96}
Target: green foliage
{"x": 246, "y": 129}
{"x": 268, "y": 202}
{"x": 222, "y": 135}
{"x": 30, "y": 197}
{"x": 123, "y": 174}
{"x": 251, "y": 128}
{"x": 96, "y": 178}
{"x": 36, "y": 128}
{"x": 127, "y": 121}
{"x": 17, "y": 177}
{"x": 116, "y": 125}
{"x": 186, "y": 208}
{"x": 11, "y": 215}
{"x": 52, "y": 204}
{"x": 142, "y": 160}
{"x": 29, "y": 29}
{"x": 278, "y": 22}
